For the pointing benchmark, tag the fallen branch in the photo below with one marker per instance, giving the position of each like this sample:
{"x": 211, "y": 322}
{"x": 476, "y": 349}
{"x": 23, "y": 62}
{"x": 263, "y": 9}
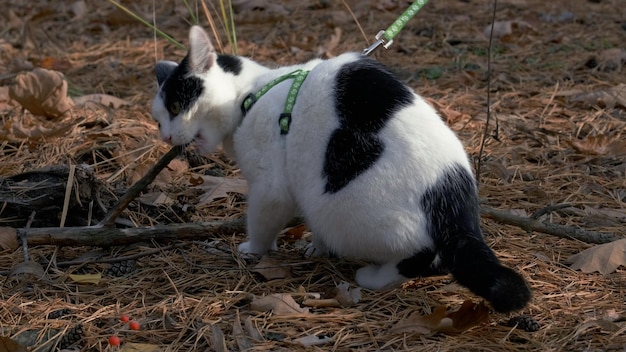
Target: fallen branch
{"x": 108, "y": 236}
{"x": 530, "y": 224}
{"x": 133, "y": 192}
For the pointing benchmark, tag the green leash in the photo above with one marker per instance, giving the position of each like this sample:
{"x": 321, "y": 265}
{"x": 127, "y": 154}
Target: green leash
{"x": 385, "y": 38}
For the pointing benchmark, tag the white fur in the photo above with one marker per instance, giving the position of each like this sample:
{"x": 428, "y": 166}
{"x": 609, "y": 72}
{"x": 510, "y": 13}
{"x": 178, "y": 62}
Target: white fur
{"x": 376, "y": 217}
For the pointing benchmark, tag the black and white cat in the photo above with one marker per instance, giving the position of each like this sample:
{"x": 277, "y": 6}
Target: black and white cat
{"x": 370, "y": 165}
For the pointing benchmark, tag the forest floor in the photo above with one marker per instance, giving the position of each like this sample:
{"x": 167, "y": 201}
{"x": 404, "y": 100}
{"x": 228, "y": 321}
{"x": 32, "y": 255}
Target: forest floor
{"x": 555, "y": 148}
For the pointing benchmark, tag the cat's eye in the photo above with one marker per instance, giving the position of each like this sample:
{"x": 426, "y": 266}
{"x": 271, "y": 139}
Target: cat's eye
{"x": 174, "y": 108}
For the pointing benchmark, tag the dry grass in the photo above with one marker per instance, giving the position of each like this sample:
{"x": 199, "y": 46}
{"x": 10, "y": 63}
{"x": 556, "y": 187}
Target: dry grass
{"x": 182, "y": 293}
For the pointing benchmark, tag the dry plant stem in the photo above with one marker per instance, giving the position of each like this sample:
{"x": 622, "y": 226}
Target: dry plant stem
{"x": 530, "y": 224}
{"x": 133, "y": 192}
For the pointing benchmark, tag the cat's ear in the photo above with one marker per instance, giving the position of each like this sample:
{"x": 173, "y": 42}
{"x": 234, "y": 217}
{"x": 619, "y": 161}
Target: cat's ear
{"x": 202, "y": 54}
{"x": 163, "y": 70}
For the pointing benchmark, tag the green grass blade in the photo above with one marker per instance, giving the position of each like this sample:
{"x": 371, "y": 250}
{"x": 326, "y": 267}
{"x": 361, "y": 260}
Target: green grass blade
{"x": 135, "y": 16}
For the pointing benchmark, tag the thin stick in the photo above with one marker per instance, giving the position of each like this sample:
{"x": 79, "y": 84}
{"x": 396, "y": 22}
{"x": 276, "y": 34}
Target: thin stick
{"x": 132, "y": 192}
{"x": 68, "y": 193}
{"x": 356, "y": 20}
{"x": 530, "y": 224}
{"x": 484, "y": 137}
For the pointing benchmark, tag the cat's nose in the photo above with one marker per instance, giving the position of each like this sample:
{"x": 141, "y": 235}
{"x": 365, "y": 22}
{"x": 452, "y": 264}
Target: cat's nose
{"x": 167, "y": 139}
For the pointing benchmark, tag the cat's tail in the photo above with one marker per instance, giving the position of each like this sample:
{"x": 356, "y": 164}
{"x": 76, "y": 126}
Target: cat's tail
{"x": 475, "y": 266}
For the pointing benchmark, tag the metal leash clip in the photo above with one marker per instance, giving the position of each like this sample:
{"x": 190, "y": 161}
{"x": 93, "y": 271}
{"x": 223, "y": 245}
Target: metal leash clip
{"x": 381, "y": 39}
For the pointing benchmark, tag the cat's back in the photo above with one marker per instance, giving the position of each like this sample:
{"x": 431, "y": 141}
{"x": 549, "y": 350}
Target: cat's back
{"x": 353, "y": 115}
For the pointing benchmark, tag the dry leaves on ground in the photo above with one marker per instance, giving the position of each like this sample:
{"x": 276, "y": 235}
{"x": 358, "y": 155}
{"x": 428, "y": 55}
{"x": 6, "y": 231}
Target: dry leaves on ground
{"x": 278, "y": 303}
{"x": 42, "y": 92}
{"x": 604, "y": 258}
{"x": 610, "y": 97}
{"x": 470, "y": 314}
{"x": 219, "y": 187}
{"x": 600, "y": 145}
{"x": 271, "y": 269}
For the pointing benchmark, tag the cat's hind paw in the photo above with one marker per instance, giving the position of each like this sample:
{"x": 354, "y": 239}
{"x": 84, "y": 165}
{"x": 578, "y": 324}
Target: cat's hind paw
{"x": 378, "y": 277}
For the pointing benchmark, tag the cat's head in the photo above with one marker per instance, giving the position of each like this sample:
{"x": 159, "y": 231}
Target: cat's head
{"x": 195, "y": 97}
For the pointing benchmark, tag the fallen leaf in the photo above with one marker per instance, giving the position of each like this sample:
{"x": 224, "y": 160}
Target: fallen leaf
{"x": 604, "y": 258}
{"x": 243, "y": 343}
{"x": 294, "y": 233}
{"x": 35, "y": 132}
{"x": 28, "y": 268}
{"x": 8, "y": 238}
{"x": 217, "y": 339}
{"x": 102, "y": 99}
{"x": 278, "y": 303}
{"x": 86, "y": 278}
{"x": 252, "y": 330}
{"x": 469, "y": 315}
{"x": 219, "y": 187}
{"x": 347, "y": 297}
{"x": 607, "y": 97}
{"x": 600, "y": 145}
{"x": 42, "y": 92}
{"x": 271, "y": 269}
{"x": 8, "y": 345}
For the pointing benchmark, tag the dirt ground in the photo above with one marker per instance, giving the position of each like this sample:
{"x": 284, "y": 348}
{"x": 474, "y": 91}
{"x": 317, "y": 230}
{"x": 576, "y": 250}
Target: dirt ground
{"x": 555, "y": 149}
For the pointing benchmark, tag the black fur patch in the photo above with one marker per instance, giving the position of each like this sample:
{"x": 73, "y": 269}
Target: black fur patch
{"x": 230, "y": 63}
{"x": 453, "y": 213}
{"x": 181, "y": 87}
{"x": 451, "y": 207}
{"x": 366, "y": 97}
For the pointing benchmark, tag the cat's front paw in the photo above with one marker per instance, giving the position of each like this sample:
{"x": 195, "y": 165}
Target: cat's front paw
{"x": 252, "y": 248}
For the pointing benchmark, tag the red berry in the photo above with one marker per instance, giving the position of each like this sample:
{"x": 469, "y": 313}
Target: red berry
{"x": 133, "y": 325}
{"x": 124, "y": 318}
{"x": 114, "y": 340}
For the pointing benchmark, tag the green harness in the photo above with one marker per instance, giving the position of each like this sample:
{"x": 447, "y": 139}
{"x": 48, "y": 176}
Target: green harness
{"x": 284, "y": 120}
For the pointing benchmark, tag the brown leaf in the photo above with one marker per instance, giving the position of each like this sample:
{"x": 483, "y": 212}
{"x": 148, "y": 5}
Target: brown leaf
{"x": 42, "y": 92}
{"x": 102, "y": 99}
{"x": 20, "y": 131}
{"x": 600, "y": 145}
{"x": 8, "y": 345}
{"x": 347, "y": 297}
{"x": 271, "y": 269}
{"x": 607, "y": 97}
{"x": 28, "y": 268}
{"x": 469, "y": 315}
{"x": 604, "y": 258}
{"x": 279, "y": 304}
{"x": 8, "y": 238}
{"x": 219, "y": 187}
{"x": 295, "y": 233}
